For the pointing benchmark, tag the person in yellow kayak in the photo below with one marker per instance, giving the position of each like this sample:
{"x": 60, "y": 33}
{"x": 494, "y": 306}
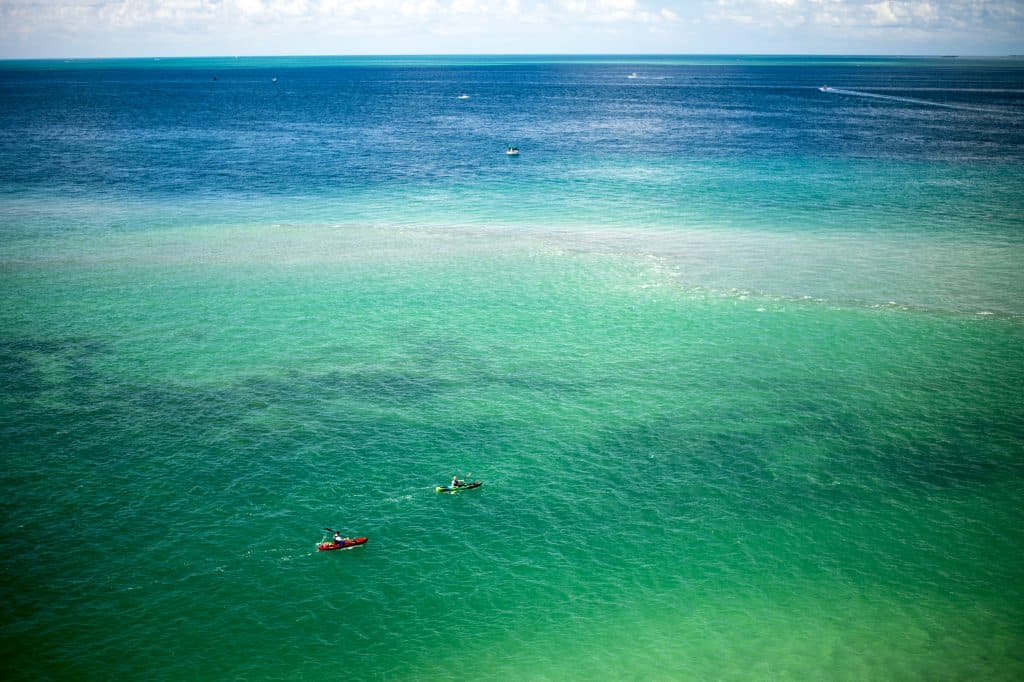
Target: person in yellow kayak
{"x": 456, "y": 482}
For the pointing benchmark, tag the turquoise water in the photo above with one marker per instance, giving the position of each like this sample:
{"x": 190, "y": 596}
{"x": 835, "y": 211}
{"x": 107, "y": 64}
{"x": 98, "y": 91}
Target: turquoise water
{"x": 740, "y": 368}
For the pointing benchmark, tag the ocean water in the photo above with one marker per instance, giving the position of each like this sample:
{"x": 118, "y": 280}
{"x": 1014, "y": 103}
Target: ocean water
{"x": 739, "y": 361}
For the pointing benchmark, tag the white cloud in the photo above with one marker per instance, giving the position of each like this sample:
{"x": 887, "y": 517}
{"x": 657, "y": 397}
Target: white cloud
{"x": 293, "y": 8}
{"x": 467, "y": 7}
{"x": 248, "y": 7}
{"x": 419, "y": 9}
{"x": 617, "y": 5}
{"x": 883, "y": 13}
{"x": 983, "y": 15}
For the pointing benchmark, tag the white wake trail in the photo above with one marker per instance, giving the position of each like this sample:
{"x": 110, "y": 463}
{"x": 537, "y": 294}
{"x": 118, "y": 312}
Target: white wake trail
{"x": 910, "y": 100}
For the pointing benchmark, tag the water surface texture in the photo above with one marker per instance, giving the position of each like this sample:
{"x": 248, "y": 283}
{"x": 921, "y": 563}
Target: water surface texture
{"x": 739, "y": 360}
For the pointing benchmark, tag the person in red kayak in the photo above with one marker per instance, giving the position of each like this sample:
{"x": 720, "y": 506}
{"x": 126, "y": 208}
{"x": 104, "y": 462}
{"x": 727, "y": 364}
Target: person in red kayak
{"x": 338, "y": 540}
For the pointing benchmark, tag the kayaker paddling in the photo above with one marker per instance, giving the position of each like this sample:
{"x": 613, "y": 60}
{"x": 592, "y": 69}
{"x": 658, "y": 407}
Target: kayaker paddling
{"x": 458, "y": 485}
{"x": 339, "y": 541}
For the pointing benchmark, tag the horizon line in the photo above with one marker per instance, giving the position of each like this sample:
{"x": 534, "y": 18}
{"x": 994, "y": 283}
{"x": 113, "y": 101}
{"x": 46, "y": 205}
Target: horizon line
{"x": 523, "y": 54}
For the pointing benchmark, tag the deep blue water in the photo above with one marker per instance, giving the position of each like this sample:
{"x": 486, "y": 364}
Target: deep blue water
{"x": 169, "y": 130}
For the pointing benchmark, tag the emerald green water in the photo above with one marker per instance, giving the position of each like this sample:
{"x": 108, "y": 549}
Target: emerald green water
{"x": 679, "y": 482}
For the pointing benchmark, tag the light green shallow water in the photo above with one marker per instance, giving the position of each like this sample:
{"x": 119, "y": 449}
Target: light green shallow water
{"x": 698, "y": 464}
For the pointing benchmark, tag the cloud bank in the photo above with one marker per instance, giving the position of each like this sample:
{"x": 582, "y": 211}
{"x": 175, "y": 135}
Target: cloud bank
{"x": 65, "y": 28}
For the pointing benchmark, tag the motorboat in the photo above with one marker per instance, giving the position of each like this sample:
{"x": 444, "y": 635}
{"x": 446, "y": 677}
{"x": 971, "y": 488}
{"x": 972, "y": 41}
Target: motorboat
{"x": 463, "y": 96}
{"x": 632, "y": 75}
{"x": 512, "y": 151}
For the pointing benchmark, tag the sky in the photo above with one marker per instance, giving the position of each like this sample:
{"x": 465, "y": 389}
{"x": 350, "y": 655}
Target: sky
{"x": 167, "y": 28}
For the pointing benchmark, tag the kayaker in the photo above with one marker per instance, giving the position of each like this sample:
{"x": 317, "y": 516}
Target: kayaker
{"x": 338, "y": 540}
{"x": 456, "y": 482}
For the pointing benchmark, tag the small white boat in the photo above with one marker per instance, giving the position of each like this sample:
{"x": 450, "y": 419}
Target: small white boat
{"x": 274, "y": 79}
{"x": 512, "y": 151}
{"x": 825, "y": 88}
{"x": 632, "y": 75}
{"x": 463, "y": 96}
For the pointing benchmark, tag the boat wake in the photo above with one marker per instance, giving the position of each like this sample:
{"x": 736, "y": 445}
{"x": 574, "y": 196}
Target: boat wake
{"x": 908, "y": 100}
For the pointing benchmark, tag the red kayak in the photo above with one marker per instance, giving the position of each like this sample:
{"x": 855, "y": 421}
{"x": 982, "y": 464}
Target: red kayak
{"x": 347, "y": 544}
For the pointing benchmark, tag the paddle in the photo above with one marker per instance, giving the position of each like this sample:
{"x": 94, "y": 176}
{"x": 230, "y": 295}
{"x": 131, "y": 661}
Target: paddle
{"x": 464, "y": 481}
{"x": 331, "y": 530}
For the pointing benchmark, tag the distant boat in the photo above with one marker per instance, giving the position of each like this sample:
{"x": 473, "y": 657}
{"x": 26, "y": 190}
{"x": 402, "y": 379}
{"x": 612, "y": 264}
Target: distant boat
{"x": 274, "y": 79}
{"x": 632, "y": 75}
{"x": 825, "y": 88}
{"x": 512, "y": 151}
{"x": 463, "y": 96}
